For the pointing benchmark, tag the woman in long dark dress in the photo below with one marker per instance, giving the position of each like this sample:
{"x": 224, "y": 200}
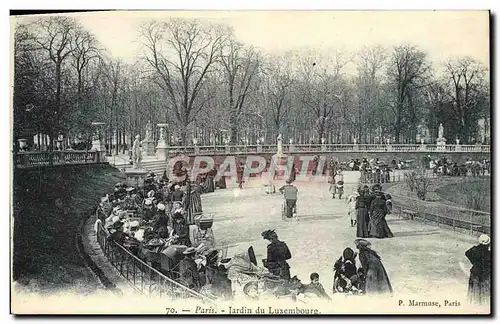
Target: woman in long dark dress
{"x": 375, "y": 278}
{"x": 378, "y": 210}
{"x": 480, "y": 273}
{"x": 362, "y": 206}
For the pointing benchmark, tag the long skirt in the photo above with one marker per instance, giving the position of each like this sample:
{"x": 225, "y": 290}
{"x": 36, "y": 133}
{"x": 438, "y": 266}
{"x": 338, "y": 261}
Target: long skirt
{"x": 479, "y": 291}
{"x": 194, "y": 207}
{"x": 222, "y": 183}
{"x": 209, "y": 184}
{"x": 378, "y": 226}
{"x": 361, "y": 222}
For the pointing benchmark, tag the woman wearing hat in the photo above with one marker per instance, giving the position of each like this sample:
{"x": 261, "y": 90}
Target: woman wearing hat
{"x": 378, "y": 210}
{"x": 362, "y": 217}
{"x": 118, "y": 235}
{"x": 161, "y": 222}
{"x": 149, "y": 210}
{"x": 480, "y": 273}
{"x": 179, "y": 228}
{"x": 375, "y": 278}
{"x": 189, "y": 275}
{"x": 277, "y": 255}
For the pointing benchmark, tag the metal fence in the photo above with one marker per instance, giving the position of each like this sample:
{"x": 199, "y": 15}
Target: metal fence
{"x": 308, "y": 148}
{"x": 452, "y": 217}
{"x": 38, "y": 159}
{"x": 144, "y": 278}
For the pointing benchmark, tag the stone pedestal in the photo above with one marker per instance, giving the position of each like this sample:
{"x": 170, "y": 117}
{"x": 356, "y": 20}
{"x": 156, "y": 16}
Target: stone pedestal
{"x": 136, "y": 177}
{"x": 477, "y": 148}
{"x": 291, "y": 148}
{"x": 227, "y": 149}
{"x": 196, "y": 150}
{"x": 422, "y": 147}
{"x": 458, "y": 148}
{"x": 162, "y": 147}
{"x": 148, "y": 146}
{"x": 259, "y": 148}
{"x": 355, "y": 147}
{"x": 441, "y": 144}
{"x": 389, "y": 148}
{"x": 162, "y": 150}
{"x": 323, "y": 147}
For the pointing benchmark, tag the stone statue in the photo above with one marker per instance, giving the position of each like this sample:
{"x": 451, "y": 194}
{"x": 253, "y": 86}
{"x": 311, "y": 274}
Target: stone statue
{"x": 323, "y": 140}
{"x": 290, "y": 141}
{"x": 162, "y": 134}
{"x": 421, "y": 140}
{"x": 458, "y": 141}
{"x": 440, "y": 131}
{"x": 279, "y": 139}
{"x": 137, "y": 152}
{"x": 148, "y": 131}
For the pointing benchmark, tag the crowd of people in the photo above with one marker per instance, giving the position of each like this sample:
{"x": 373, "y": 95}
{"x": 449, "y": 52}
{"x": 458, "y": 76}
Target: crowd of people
{"x": 163, "y": 223}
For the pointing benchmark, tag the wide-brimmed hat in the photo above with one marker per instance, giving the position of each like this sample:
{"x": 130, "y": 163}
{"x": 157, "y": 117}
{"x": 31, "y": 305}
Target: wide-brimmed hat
{"x": 161, "y": 207}
{"x": 190, "y": 250}
{"x": 268, "y": 234}
{"x": 362, "y": 243}
{"x": 484, "y": 239}
{"x": 151, "y": 194}
{"x": 148, "y": 201}
{"x": 117, "y": 225}
{"x": 177, "y": 187}
{"x": 130, "y": 189}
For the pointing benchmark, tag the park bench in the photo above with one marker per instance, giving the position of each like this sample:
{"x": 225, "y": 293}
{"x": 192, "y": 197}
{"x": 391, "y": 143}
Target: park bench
{"x": 409, "y": 214}
{"x": 476, "y": 228}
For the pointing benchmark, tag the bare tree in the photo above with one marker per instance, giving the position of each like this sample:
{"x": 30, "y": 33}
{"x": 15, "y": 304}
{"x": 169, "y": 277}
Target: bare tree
{"x": 408, "y": 68}
{"x": 321, "y": 87}
{"x": 53, "y": 36}
{"x": 467, "y": 93}
{"x": 182, "y": 53}
{"x": 277, "y": 90}
{"x": 370, "y": 61}
{"x": 241, "y": 66}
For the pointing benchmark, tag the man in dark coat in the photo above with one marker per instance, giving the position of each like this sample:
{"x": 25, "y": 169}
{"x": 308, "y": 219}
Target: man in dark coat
{"x": 189, "y": 275}
{"x": 277, "y": 254}
{"x": 480, "y": 274}
{"x": 178, "y": 194}
{"x": 118, "y": 235}
{"x": 180, "y": 229}
{"x": 375, "y": 277}
{"x": 291, "y": 194}
{"x": 161, "y": 222}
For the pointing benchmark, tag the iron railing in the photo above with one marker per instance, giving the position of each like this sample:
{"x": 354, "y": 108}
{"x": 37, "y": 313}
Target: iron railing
{"x": 50, "y": 158}
{"x": 144, "y": 278}
{"x": 326, "y": 148}
{"x": 456, "y": 218}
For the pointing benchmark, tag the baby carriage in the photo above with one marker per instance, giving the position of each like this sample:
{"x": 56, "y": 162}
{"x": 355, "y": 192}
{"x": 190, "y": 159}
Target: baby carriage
{"x": 284, "y": 212}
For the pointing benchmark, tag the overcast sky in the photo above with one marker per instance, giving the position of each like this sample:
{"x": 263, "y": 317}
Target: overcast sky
{"x": 441, "y": 33}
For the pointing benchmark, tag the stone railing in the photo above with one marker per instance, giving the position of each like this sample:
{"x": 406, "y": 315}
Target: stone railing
{"x": 38, "y": 159}
{"x": 328, "y": 148}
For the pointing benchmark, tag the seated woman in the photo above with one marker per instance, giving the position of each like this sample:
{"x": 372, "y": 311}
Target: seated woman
{"x": 203, "y": 233}
{"x": 180, "y": 230}
{"x": 345, "y": 277}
